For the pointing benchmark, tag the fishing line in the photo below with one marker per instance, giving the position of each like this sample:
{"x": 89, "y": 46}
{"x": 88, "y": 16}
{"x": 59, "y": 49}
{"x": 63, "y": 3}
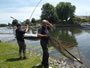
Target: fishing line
{"x": 35, "y": 9}
{"x": 15, "y": 19}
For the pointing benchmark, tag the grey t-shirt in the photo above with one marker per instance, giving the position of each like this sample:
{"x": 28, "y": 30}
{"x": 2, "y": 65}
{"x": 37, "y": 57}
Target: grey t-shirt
{"x": 44, "y": 31}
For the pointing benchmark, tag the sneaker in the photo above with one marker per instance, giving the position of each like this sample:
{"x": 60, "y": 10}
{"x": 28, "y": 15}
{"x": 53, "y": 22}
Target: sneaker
{"x": 24, "y": 57}
{"x": 20, "y": 57}
{"x": 50, "y": 67}
{"x": 39, "y": 66}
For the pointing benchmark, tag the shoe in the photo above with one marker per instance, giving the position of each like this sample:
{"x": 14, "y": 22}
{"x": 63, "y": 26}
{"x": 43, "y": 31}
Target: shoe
{"x": 42, "y": 64}
{"x": 20, "y": 57}
{"x": 39, "y": 66}
{"x": 24, "y": 57}
{"x": 50, "y": 67}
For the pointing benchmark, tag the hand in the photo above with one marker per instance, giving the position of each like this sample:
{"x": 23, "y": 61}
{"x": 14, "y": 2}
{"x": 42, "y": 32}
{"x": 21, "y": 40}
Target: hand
{"x": 26, "y": 29}
{"x": 47, "y": 23}
{"x": 46, "y": 36}
{"x": 27, "y": 26}
{"x": 40, "y": 35}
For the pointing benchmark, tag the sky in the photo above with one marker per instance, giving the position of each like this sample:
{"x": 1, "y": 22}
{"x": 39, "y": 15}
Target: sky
{"x": 22, "y": 9}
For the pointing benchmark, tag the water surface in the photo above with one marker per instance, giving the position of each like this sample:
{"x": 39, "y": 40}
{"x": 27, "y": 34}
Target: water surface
{"x": 77, "y": 38}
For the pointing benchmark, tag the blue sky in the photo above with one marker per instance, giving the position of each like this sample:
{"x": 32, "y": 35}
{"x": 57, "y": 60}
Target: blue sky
{"x": 22, "y": 9}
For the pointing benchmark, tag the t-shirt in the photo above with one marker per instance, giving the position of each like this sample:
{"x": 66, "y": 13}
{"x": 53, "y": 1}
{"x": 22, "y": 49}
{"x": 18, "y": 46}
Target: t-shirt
{"x": 44, "y": 31}
{"x": 20, "y": 35}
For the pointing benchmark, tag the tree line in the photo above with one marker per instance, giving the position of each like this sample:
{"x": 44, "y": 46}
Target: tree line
{"x": 26, "y": 22}
{"x": 63, "y": 13}
{"x": 3, "y": 25}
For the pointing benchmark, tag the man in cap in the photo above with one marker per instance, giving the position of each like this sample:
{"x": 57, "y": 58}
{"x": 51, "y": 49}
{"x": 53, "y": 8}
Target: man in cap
{"x": 20, "y": 40}
{"x": 43, "y": 33}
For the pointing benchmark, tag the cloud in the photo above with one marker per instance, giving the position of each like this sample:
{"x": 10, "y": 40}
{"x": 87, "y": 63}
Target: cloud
{"x": 22, "y": 9}
{"x": 82, "y": 10}
{"x": 17, "y": 3}
{"x": 53, "y": 2}
{"x": 19, "y": 13}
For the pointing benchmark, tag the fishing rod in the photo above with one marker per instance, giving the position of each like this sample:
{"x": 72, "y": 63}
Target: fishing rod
{"x": 31, "y": 13}
{"x": 20, "y": 22}
{"x": 14, "y": 18}
{"x": 35, "y": 9}
{"x": 66, "y": 50}
{"x": 63, "y": 48}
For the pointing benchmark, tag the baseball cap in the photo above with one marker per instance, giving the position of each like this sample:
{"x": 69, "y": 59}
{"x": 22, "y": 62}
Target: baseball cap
{"x": 43, "y": 21}
{"x": 18, "y": 25}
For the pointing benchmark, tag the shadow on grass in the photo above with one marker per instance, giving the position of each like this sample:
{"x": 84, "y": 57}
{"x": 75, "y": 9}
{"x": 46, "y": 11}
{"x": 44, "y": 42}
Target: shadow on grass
{"x": 38, "y": 66}
{"x": 13, "y": 59}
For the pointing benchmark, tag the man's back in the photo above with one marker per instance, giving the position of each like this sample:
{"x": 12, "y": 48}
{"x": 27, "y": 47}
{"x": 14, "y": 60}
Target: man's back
{"x": 20, "y": 35}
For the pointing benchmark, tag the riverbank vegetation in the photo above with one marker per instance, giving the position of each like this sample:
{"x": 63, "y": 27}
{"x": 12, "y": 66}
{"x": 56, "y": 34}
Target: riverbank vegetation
{"x": 3, "y": 25}
{"x": 87, "y": 20}
{"x": 9, "y": 58}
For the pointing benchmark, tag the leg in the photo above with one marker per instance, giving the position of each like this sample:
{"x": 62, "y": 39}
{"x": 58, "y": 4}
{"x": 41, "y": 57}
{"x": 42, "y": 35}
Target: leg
{"x": 24, "y": 49}
{"x": 45, "y": 55}
{"x": 45, "y": 59}
{"x": 20, "y": 49}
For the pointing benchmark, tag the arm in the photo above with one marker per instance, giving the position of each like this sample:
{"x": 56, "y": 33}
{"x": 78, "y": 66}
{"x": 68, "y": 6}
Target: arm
{"x": 26, "y": 30}
{"x": 41, "y": 35}
{"x": 48, "y": 23}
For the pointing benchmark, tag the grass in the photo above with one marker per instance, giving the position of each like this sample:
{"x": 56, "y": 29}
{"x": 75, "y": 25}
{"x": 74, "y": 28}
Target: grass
{"x": 9, "y": 58}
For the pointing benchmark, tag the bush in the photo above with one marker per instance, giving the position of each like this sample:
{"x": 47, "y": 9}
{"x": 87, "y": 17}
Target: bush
{"x": 3, "y": 25}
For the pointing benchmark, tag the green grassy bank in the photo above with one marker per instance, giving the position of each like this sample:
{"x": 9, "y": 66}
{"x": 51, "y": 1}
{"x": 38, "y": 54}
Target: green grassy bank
{"x": 9, "y": 58}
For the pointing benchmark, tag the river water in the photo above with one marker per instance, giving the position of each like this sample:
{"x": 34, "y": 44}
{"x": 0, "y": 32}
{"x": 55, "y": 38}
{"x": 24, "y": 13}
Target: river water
{"x": 78, "y": 37}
